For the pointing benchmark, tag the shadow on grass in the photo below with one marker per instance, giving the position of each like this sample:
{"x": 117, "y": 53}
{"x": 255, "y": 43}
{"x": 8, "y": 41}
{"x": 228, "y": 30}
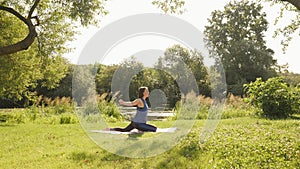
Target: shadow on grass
{"x": 290, "y": 117}
{"x": 135, "y": 136}
{"x": 83, "y": 156}
{"x": 7, "y": 125}
{"x": 295, "y": 117}
{"x": 86, "y": 157}
{"x": 113, "y": 157}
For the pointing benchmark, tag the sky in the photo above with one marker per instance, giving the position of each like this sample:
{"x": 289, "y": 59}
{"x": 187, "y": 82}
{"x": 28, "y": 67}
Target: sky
{"x": 196, "y": 14}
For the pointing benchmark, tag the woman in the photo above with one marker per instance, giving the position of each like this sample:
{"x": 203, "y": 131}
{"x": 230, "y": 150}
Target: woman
{"x": 140, "y": 118}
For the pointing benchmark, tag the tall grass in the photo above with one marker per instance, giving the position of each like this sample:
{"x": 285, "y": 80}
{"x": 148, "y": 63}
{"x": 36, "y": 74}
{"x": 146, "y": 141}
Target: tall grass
{"x": 103, "y": 108}
{"x": 56, "y": 111}
{"x": 234, "y": 107}
{"x": 62, "y": 111}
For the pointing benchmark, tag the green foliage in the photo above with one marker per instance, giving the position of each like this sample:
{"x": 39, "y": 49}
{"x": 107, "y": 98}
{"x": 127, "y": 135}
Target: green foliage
{"x": 273, "y": 97}
{"x": 89, "y": 109}
{"x": 24, "y": 71}
{"x": 58, "y": 111}
{"x": 128, "y": 77}
{"x": 83, "y": 83}
{"x": 234, "y": 107}
{"x": 68, "y": 118}
{"x": 102, "y": 110}
{"x": 131, "y": 74}
{"x": 63, "y": 90}
{"x": 288, "y": 30}
{"x": 104, "y": 78}
{"x": 292, "y": 79}
{"x": 235, "y": 38}
{"x": 187, "y": 107}
{"x": 42, "y": 64}
{"x": 173, "y": 62}
{"x": 162, "y": 80}
{"x": 109, "y": 110}
{"x": 174, "y": 69}
{"x": 172, "y": 6}
{"x": 259, "y": 144}
{"x": 19, "y": 72}
{"x": 57, "y": 20}
{"x": 38, "y": 116}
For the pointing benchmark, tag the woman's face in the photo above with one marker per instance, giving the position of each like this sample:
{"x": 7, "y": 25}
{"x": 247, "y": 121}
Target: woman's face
{"x": 146, "y": 93}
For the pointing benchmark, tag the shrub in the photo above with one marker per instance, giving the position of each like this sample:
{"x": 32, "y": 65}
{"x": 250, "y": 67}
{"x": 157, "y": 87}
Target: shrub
{"x": 274, "y": 97}
{"x": 68, "y": 118}
{"x": 109, "y": 111}
{"x": 102, "y": 109}
{"x": 185, "y": 108}
{"x": 89, "y": 109}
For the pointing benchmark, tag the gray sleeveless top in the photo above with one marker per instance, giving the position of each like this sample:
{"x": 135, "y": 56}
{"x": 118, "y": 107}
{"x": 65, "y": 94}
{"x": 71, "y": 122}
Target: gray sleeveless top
{"x": 141, "y": 113}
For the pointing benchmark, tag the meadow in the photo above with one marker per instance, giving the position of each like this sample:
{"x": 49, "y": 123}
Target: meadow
{"x": 52, "y": 138}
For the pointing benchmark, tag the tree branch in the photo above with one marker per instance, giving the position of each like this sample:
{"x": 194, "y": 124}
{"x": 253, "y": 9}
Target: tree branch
{"x": 296, "y": 3}
{"x": 36, "y": 2}
{"x": 29, "y": 39}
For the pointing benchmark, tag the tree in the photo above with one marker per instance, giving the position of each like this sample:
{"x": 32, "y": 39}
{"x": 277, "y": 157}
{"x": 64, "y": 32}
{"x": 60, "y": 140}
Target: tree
{"x": 294, "y": 24}
{"x": 56, "y": 18}
{"x": 32, "y": 14}
{"x": 83, "y": 84}
{"x": 235, "y": 39}
{"x": 176, "y": 6}
{"x": 295, "y": 3}
{"x": 63, "y": 87}
{"x": 50, "y": 25}
{"x": 128, "y": 76}
{"x": 274, "y": 98}
{"x": 173, "y": 60}
{"x": 170, "y": 6}
{"x": 22, "y": 72}
{"x": 34, "y": 36}
{"x": 49, "y": 21}
{"x": 181, "y": 71}
{"x": 123, "y": 78}
{"x": 292, "y": 79}
{"x": 104, "y": 78}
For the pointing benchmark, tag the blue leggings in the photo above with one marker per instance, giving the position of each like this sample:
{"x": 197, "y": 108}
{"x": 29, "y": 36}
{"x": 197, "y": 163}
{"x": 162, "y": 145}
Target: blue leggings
{"x": 139, "y": 126}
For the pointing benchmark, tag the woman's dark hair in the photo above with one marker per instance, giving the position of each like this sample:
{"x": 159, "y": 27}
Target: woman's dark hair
{"x": 141, "y": 91}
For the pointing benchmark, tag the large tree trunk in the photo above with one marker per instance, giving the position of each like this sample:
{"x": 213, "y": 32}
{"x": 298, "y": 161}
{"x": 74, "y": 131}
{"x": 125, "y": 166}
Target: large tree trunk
{"x": 29, "y": 39}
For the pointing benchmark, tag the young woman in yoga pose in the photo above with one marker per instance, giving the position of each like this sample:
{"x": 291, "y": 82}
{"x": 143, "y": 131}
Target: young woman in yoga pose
{"x": 140, "y": 119}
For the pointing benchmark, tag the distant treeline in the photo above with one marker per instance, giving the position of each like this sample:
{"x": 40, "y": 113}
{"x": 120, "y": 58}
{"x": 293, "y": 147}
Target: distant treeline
{"x": 169, "y": 75}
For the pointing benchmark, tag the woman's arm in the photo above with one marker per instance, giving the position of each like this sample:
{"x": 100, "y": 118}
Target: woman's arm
{"x": 133, "y": 103}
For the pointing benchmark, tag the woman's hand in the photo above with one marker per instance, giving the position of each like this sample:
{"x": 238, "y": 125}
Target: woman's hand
{"x": 121, "y": 102}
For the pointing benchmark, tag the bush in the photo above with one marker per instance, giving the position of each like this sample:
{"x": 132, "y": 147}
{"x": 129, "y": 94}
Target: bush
{"x": 68, "y": 118}
{"x": 101, "y": 110}
{"x": 109, "y": 111}
{"x": 274, "y": 97}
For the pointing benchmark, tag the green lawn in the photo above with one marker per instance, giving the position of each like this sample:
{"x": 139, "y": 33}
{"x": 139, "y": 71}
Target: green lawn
{"x": 236, "y": 143}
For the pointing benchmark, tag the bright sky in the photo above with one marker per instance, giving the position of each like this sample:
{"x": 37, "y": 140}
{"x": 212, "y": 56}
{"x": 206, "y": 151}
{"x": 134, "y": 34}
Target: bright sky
{"x": 196, "y": 14}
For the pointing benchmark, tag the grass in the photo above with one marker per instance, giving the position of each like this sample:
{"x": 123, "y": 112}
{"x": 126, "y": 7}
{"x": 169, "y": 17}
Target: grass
{"x": 237, "y": 143}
